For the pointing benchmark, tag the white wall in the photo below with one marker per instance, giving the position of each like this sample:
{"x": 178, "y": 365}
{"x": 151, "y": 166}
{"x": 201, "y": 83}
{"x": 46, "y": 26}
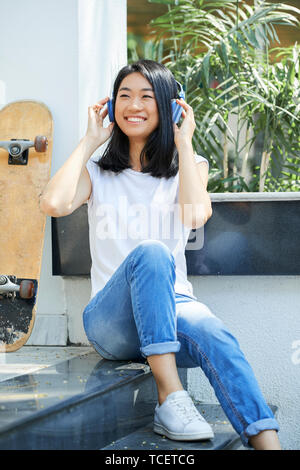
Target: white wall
{"x": 263, "y": 313}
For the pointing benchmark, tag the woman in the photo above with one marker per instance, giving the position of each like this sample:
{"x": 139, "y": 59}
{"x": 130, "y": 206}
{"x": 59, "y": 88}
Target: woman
{"x": 142, "y": 305}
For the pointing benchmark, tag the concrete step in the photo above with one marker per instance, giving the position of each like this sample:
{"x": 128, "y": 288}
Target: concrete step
{"x": 145, "y": 438}
{"x": 68, "y": 398}
{"x": 79, "y": 402}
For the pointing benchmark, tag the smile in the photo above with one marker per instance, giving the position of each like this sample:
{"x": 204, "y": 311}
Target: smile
{"x": 135, "y": 119}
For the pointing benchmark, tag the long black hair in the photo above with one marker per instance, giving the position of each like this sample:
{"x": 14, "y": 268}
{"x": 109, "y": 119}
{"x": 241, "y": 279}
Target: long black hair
{"x": 160, "y": 150}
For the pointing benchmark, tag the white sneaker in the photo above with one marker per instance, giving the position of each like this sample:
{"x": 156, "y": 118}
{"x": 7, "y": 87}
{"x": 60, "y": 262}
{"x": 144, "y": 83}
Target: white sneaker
{"x": 178, "y": 419}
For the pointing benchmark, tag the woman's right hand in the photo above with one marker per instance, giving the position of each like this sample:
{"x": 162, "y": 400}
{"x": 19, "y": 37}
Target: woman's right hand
{"x": 96, "y": 133}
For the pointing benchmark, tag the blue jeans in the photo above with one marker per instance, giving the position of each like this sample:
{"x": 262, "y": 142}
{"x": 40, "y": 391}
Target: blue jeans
{"x": 138, "y": 314}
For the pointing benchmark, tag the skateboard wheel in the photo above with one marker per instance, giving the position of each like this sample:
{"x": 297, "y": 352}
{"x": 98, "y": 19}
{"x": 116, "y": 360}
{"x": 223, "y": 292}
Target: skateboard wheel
{"x": 26, "y": 289}
{"x": 40, "y": 143}
{"x": 3, "y": 280}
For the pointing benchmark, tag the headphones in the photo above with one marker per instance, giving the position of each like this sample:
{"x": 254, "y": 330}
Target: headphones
{"x": 176, "y": 108}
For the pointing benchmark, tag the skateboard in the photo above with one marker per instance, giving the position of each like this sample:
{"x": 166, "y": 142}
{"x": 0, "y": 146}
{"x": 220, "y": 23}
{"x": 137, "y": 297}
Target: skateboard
{"x": 26, "y": 135}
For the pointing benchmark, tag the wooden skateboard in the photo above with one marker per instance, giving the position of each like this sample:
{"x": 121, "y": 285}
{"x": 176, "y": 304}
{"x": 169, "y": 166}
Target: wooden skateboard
{"x": 26, "y": 134}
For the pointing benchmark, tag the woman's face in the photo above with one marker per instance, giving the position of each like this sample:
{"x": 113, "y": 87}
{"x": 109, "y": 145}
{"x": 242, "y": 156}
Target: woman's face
{"x": 136, "y": 111}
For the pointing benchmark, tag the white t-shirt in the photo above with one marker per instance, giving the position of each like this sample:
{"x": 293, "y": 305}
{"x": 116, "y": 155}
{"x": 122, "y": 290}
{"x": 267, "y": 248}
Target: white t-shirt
{"x": 126, "y": 208}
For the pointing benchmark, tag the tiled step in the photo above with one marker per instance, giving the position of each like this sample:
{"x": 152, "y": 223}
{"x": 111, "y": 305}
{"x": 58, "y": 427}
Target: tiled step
{"x": 145, "y": 438}
{"x": 30, "y": 359}
{"x": 83, "y": 402}
{"x": 71, "y": 398}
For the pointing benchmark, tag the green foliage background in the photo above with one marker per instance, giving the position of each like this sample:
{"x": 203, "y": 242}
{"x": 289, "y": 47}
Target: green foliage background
{"x": 244, "y": 91}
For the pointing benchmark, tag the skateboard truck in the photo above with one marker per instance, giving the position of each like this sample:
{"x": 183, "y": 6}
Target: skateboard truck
{"x": 8, "y": 287}
{"x": 18, "y": 148}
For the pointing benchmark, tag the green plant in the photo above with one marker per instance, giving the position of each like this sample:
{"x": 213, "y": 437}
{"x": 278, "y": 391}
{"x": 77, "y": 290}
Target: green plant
{"x": 240, "y": 92}
{"x": 138, "y": 48}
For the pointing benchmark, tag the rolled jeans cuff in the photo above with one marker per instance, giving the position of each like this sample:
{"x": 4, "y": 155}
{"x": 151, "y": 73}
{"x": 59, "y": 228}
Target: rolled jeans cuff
{"x": 254, "y": 428}
{"x": 160, "y": 348}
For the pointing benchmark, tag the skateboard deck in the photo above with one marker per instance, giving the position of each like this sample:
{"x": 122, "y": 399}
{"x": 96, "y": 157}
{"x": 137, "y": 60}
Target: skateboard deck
{"x": 26, "y": 135}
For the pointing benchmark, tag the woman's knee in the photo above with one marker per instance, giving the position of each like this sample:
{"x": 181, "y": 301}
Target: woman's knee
{"x": 151, "y": 248}
{"x": 197, "y": 321}
{"x": 193, "y": 313}
{"x": 203, "y": 336}
{"x": 154, "y": 253}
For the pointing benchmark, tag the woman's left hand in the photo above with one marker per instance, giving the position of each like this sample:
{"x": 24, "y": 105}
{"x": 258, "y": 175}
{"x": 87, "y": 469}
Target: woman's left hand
{"x": 184, "y": 133}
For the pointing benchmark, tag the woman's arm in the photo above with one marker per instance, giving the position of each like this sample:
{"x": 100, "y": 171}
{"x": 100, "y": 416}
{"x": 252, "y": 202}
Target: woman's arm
{"x": 71, "y": 186}
{"x": 193, "y": 197}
